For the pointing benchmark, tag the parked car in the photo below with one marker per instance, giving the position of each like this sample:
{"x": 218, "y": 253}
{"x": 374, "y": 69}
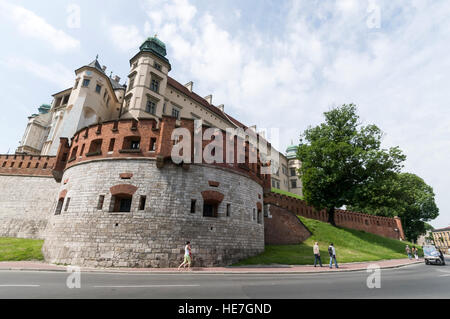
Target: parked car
{"x": 432, "y": 255}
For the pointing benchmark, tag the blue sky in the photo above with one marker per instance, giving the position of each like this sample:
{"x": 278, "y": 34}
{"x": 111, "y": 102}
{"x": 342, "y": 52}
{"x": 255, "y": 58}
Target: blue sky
{"x": 272, "y": 63}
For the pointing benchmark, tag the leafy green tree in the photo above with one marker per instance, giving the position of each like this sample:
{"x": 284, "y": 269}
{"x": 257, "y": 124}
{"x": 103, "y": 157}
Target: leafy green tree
{"x": 405, "y": 195}
{"x": 340, "y": 156}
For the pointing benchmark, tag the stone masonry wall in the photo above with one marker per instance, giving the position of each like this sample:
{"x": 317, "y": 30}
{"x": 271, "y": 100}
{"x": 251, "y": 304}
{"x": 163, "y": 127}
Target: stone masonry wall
{"x": 25, "y": 205}
{"x": 155, "y": 236}
{"x": 281, "y": 227}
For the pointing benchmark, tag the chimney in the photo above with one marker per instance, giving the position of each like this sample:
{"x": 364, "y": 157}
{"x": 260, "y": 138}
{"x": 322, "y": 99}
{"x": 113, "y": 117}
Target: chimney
{"x": 208, "y": 99}
{"x": 221, "y": 107}
{"x": 189, "y": 86}
{"x": 104, "y": 68}
{"x": 116, "y": 78}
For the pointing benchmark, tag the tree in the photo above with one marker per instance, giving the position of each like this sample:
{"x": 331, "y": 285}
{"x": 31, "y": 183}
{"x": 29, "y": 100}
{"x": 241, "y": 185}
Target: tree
{"x": 340, "y": 156}
{"x": 405, "y": 195}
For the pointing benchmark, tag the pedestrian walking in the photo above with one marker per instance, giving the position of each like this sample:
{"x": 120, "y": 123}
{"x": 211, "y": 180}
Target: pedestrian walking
{"x": 416, "y": 253}
{"x": 187, "y": 256}
{"x": 408, "y": 251}
{"x": 332, "y": 253}
{"x": 316, "y": 251}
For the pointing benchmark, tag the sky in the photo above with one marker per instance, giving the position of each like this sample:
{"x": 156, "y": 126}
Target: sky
{"x": 276, "y": 64}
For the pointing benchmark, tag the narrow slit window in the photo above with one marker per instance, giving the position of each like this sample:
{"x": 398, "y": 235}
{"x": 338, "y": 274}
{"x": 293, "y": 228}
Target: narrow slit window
{"x": 101, "y": 200}
{"x": 142, "y": 201}
{"x": 193, "y": 203}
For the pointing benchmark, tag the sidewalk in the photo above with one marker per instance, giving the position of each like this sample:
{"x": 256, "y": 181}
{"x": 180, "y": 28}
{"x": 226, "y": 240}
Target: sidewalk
{"x": 257, "y": 269}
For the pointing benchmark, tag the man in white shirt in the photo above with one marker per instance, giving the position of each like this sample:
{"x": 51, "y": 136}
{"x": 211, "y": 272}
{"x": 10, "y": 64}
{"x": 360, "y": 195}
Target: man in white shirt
{"x": 316, "y": 251}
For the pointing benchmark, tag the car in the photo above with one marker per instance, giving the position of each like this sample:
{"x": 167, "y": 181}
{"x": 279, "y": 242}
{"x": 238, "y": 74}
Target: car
{"x": 432, "y": 255}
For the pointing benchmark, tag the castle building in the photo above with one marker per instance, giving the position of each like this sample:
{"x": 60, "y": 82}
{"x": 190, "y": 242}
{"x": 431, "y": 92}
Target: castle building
{"x": 95, "y": 176}
{"x": 150, "y": 94}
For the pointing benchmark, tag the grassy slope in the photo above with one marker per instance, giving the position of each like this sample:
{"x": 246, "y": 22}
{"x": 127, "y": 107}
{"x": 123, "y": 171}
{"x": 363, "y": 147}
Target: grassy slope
{"x": 351, "y": 246}
{"x": 17, "y": 249}
{"x": 279, "y": 191}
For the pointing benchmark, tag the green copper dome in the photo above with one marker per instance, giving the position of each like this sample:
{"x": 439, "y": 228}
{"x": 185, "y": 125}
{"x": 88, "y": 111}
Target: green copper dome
{"x": 44, "y": 108}
{"x": 155, "y": 46}
{"x": 291, "y": 151}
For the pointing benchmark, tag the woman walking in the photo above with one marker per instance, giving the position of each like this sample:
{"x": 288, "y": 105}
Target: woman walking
{"x": 187, "y": 256}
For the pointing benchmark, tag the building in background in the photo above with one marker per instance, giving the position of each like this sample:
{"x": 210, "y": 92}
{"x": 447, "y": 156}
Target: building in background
{"x": 441, "y": 238}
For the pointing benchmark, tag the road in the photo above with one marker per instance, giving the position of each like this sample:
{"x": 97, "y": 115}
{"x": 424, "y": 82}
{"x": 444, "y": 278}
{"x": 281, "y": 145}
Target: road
{"x": 414, "y": 281}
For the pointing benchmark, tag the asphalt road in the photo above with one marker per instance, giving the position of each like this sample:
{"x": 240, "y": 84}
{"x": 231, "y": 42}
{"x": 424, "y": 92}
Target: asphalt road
{"x": 414, "y": 281}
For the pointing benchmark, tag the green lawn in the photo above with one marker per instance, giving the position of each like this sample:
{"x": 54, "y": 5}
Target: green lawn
{"x": 351, "y": 246}
{"x": 17, "y": 249}
{"x": 279, "y": 191}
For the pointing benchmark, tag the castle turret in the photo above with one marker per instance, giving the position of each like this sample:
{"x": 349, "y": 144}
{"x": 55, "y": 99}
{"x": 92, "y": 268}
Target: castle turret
{"x": 147, "y": 81}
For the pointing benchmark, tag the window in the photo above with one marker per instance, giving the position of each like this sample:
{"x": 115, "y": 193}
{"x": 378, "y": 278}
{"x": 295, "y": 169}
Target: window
{"x": 284, "y": 168}
{"x": 86, "y": 82}
{"x": 151, "y": 106}
{"x": 158, "y": 66}
{"x": 98, "y": 88}
{"x": 254, "y": 214}
{"x": 135, "y": 145}
{"x": 210, "y": 209}
{"x": 95, "y": 148}
{"x": 67, "y": 204}
{"x": 121, "y": 203}
{"x": 59, "y": 206}
{"x": 142, "y": 201}
{"x": 82, "y": 150}
{"x": 154, "y": 85}
{"x": 175, "y": 113}
{"x": 131, "y": 84}
{"x": 111, "y": 144}
{"x": 193, "y": 202}
{"x": 228, "y": 210}
{"x": 127, "y": 104}
{"x": 101, "y": 200}
{"x": 66, "y": 99}
{"x": 153, "y": 144}
{"x": 76, "y": 84}
{"x": 292, "y": 169}
{"x": 293, "y": 183}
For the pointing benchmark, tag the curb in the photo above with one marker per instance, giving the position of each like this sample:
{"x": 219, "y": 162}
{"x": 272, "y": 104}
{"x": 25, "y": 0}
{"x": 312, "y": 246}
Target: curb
{"x": 207, "y": 272}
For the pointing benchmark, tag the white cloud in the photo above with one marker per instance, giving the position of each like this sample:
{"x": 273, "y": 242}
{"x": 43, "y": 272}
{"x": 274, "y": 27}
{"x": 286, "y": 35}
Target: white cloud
{"x": 125, "y": 38}
{"x": 31, "y": 25}
{"x": 54, "y": 73}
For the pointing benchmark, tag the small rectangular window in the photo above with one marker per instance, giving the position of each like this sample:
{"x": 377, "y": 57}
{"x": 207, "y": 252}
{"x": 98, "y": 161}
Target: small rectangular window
{"x": 67, "y": 204}
{"x": 193, "y": 203}
{"x": 292, "y": 171}
{"x": 293, "y": 183}
{"x": 142, "y": 201}
{"x": 98, "y": 88}
{"x": 153, "y": 144}
{"x": 158, "y": 66}
{"x": 228, "y": 210}
{"x": 86, "y": 82}
{"x": 101, "y": 200}
{"x": 131, "y": 84}
{"x": 254, "y": 214}
{"x": 111, "y": 145}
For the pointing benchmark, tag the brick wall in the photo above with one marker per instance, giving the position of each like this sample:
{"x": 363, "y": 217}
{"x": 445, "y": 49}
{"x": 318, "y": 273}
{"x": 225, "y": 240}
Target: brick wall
{"x": 29, "y": 165}
{"x": 281, "y": 227}
{"x": 384, "y": 226}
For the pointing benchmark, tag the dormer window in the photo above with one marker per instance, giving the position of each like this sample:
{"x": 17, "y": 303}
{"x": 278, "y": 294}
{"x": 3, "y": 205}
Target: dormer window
{"x": 157, "y": 66}
{"x": 154, "y": 85}
{"x": 86, "y": 83}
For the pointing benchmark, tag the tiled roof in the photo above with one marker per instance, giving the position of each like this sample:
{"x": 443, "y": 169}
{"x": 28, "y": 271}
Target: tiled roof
{"x": 441, "y": 229}
{"x": 180, "y": 87}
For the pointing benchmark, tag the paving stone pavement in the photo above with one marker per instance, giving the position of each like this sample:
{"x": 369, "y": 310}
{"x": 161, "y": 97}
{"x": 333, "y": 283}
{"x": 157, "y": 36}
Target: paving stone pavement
{"x": 257, "y": 269}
